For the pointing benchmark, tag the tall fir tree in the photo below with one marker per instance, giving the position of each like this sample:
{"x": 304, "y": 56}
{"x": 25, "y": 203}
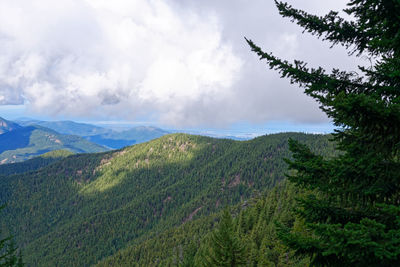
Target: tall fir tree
{"x": 225, "y": 248}
{"x": 8, "y": 252}
{"x": 353, "y": 216}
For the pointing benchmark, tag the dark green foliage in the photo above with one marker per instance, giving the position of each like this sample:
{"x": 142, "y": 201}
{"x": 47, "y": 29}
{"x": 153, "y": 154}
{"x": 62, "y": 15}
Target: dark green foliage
{"x": 257, "y": 227}
{"x": 225, "y": 248}
{"x": 9, "y": 258}
{"x": 8, "y": 251}
{"x": 87, "y": 207}
{"x": 353, "y": 218}
{"x": 34, "y": 163}
{"x": 175, "y": 246}
{"x": 254, "y": 224}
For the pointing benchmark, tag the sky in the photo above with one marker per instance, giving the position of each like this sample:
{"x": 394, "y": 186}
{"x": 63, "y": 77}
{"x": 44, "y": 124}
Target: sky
{"x": 174, "y": 63}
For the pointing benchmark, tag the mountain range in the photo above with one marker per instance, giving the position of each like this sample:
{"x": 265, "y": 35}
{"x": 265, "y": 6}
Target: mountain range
{"x": 25, "y": 139}
{"x": 103, "y": 136}
{"x": 19, "y": 143}
{"x": 152, "y": 204}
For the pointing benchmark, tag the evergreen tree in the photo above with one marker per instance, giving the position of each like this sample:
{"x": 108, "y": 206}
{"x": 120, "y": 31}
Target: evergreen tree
{"x": 20, "y": 262}
{"x": 225, "y": 246}
{"x": 8, "y": 250}
{"x": 353, "y": 216}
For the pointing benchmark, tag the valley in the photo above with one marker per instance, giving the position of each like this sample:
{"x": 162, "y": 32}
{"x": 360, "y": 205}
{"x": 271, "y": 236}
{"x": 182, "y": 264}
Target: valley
{"x": 27, "y": 142}
{"x": 25, "y": 139}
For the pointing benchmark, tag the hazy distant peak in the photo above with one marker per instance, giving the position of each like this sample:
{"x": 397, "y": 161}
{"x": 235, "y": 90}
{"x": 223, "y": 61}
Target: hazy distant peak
{"x": 7, "y": 126}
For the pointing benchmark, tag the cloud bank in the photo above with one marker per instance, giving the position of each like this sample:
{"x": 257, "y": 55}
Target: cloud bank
{"x": 183, "y": 63}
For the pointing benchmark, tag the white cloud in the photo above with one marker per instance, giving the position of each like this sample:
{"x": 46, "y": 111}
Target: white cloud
{"x": 182, "y": 62}
{"x": 102, "y": 58}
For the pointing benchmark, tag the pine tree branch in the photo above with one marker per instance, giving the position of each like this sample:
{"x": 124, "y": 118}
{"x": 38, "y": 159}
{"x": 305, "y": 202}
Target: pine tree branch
{"x": 365, "y": 35}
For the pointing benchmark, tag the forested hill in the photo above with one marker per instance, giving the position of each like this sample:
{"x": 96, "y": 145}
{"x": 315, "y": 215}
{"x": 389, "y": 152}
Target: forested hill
{"x": 84, "y": 208}
{"x": 254, "y": 225}
{"x": 34, "y": 163}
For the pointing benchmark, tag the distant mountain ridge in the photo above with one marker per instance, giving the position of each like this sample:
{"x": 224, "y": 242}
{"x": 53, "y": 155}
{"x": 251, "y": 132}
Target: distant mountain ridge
{"x": 67, "y": 127}
{"x": 6, "y": 126}
{"x": 135, "y": 135}
{"x": 18, "y": 143}
{"x": 102, "y": 136}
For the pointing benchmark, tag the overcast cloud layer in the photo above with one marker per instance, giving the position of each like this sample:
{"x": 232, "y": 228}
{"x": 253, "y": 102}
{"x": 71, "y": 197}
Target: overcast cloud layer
{"x": 183, "y": 62}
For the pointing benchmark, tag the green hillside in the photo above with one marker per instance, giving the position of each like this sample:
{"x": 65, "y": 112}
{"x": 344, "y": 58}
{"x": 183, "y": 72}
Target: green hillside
{"x": 254, "y": 224}
{"x": 27, "y": 142}
{"x": 34, "y": 163}
{"x": 86, "y": 207}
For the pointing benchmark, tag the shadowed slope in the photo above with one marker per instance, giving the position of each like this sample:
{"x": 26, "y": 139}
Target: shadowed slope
{"x": 34, "y": 163}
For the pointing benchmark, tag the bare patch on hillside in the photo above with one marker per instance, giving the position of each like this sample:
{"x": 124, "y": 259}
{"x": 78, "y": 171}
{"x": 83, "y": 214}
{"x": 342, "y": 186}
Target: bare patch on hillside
{"x": 169, "y": 198}
{"x": 191, "y": 215}
{"x": 107, "y": 160}
{"x": 235, "y": 181}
